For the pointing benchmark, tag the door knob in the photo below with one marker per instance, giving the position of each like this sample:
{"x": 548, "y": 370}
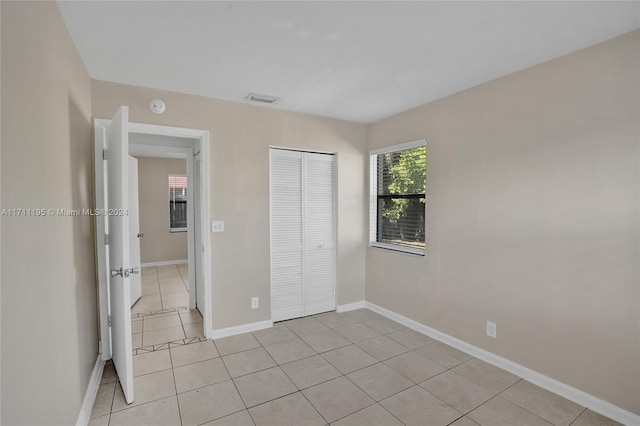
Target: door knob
{"x": 123, "y": 273}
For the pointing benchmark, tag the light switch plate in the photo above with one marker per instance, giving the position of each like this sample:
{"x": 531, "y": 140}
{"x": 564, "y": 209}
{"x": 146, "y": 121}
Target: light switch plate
{"x": 217, "y": 226}
{"x": 491, "y": 329}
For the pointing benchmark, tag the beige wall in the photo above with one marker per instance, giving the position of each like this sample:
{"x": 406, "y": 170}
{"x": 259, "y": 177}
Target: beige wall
{"x": 532, "y": 219}
{"x": 49, "y": 318}
{"x": 240, "y": 136}
{"x": 158, "y": 244}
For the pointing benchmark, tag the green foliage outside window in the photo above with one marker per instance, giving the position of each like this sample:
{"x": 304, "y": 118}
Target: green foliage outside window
{"x": 401, "y": 196}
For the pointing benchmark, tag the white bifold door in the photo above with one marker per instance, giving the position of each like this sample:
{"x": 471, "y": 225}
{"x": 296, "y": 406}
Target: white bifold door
{"x": 303, "y": 233}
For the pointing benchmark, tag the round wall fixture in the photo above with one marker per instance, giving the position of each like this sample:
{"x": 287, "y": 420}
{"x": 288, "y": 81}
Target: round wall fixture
{"x": 157, "y": 106}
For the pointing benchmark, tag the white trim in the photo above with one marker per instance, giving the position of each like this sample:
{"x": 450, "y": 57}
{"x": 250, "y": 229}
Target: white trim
{"x": 166, "y": 262}
{"x": 399, "y": 147}
{"x": 191, "y": 240}
{"x": 373, "y": 208}
{"x": 91, "y": 393}
{"x": 336, "y": 226}
{"x": 205, "y": 220}
{"x": 154, "y": 129}
{"x": 398, "y": 248}
{"x": 582, "y": 398}
{"x": 100, "y": 136}
{"x": 239, "y": 329}
{"x": 313, "y": 151}
{"x": 373, "y": 199}
{"x": 351, "y": 306}
{"x": 202, "y": 144}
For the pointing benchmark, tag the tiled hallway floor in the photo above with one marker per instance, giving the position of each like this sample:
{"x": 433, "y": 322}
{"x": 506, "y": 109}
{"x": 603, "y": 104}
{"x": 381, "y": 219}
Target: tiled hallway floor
{"x": 163, "y": 287}
{"x": 161, "y": 317}
{"x": 355, "y": 368}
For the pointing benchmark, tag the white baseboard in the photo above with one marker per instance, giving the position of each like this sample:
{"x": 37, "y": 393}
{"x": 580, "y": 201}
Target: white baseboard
{"x": 351, "y": 306}
{"x": 239, "y": 329}
{"x": 576, "y": 395}
{"x": 90, "y": 394}
{"x": 166, "y": 262}
{"x": 261, "y": 325}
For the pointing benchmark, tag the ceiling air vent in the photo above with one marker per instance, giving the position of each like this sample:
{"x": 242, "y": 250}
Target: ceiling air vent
{"x": 263, "y": 99}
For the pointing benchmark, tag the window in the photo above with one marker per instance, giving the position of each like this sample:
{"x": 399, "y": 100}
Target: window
{"x": 178, "y": 203}
{"x": 398, "y": 194}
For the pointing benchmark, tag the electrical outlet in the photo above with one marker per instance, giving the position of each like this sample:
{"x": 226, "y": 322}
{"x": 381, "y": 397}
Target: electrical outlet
{"x": 254, "y": 302}
{"x": 491, "y": 329}
{"x": 217, "y": 226}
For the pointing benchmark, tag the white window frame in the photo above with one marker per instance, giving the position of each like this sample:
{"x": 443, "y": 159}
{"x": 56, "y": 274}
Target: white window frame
{"x": 171, "y": 229}
{"x": 373, "y": 201}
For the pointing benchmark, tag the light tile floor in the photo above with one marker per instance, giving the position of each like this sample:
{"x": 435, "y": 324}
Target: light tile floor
{"x": 354, "y": 368}
{"x": 163, "y": 287}
{"x": 161, "y": 316}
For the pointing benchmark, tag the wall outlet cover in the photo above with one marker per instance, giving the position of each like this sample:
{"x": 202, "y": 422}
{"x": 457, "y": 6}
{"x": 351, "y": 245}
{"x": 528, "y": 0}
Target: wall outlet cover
{"x": 217, "y": 226}
{"x": 255, "y": 302}
{"x": 491, "y": 329}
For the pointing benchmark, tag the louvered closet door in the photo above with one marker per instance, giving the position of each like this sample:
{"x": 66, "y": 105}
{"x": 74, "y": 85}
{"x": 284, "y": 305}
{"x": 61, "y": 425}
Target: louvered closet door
{"x": 286, "y": 235}
{"x": 319, "y": 233}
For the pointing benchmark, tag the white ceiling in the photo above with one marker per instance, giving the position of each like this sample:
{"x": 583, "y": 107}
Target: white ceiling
{"x": 357, "y": 61}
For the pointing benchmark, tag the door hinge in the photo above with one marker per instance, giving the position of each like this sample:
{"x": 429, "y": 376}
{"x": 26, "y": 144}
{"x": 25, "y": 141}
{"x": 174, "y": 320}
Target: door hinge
{"x": 109, "y": 320}
{"x": 106, "y": 239}
{"x": 104, "y": 154}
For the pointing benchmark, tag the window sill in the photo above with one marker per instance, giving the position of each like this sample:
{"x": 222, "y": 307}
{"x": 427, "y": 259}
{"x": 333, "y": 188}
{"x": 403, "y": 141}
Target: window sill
{"x": 177, "y": 230}
{"x": 399, "y": 249}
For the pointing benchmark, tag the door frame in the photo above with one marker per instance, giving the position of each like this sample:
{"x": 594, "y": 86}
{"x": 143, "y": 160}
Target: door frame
{"x": 202, "y": 136}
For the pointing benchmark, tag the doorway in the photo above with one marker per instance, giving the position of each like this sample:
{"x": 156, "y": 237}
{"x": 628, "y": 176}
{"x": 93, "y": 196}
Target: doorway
{"x": 166, "y": 142}
{"x": 171, "y": 209}
{"x": 164, "y": 312}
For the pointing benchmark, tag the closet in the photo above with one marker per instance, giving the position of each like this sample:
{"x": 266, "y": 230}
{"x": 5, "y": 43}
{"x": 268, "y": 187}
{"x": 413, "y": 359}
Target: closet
{"x": 303, "y": 233}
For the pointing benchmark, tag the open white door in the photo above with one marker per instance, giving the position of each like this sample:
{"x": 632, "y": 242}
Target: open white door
{"x": 119, "y": 263}
{"x": 134, "y": 231}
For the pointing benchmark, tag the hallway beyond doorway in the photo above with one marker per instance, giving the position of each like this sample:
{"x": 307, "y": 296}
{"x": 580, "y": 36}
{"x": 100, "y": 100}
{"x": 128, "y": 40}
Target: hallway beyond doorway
{"x": 162, "y": 318}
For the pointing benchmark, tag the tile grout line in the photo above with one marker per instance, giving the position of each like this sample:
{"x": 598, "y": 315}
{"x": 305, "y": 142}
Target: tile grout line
{"x": 159, "y": 288}
{"x": 520, "y": 379}
{"x": 182, "y": 324}
{"x": 288, "y": 377}
{"x": 113, "y": 396}
{"x": 579, "y": 415}
{"x": 175, "y": 384}
{"x": 234, "y": 383}
{"x": 182, "y": 277}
